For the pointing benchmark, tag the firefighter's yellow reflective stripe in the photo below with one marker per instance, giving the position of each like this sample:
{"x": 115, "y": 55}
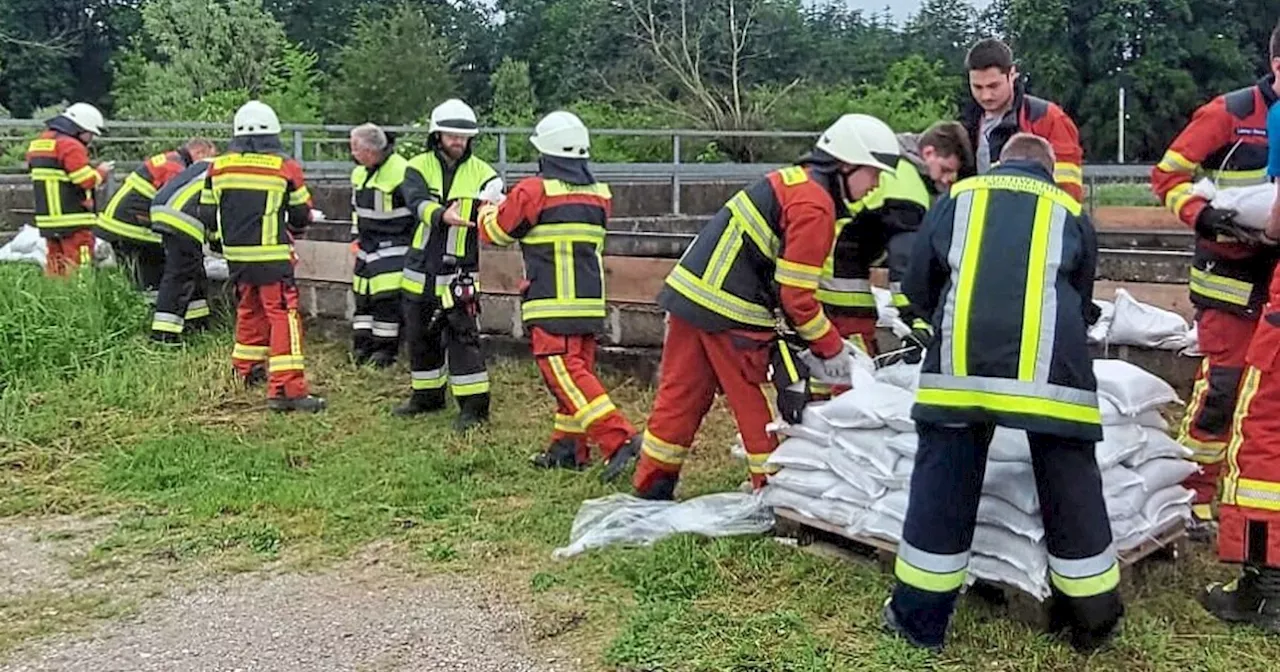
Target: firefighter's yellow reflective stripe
{"x": 1203, "y": 452}
{"x": 559, "y": 188}
{"x": 566, "y": 278}
{"x": 456, "y": 241}
{"x": 248, "y": 160}
{"x": 469, "y": 384}
{"x": 1248, "y": 390}
{"x": 179, "y": 222}
{"x": 1033, "y": 300}
{"x": 428, "y": 380}
{"x": 384, "y": 282}
{"x": 793, "y": 175}
{"x": 788, "y": 362}
{"x": 756, "y": 463}
{"x": 43, "y": 145}
{"x": 74, "y": 220}
{"x": 567, "y": 424}
{"x": 753, "y": 224}
{"x": 768, "y": 392}
{"x": 143, "y": 187}
{"x": 1220, "y": 287}
{"x": 964, "y": 285}
{"x": 86, "y": 255}
{"x": 427, "y": 210}
{"x": 295, "y": 333}
{"x": 594, "y": 412}
{"x": 256, "y": 253}
{"x": 282, "y": 363}
{"x": 420, "y": 235}
{"x": 716, "y": 300}
{"x": 1024, "y": 185}
{"x": 904, "y": 184}
{"x": 1255, "y": 494}
{"x": 271, "y": 219}
{"x": 1008, "y": 395}
{"x": 50, "y": 175}
{"x": 197, "y": 309}
{"x": 1068, "y": 173}
{"x": 1086, "y": 586}
{"x": 724, "y": 254}
{"x": 1173, "y": 162}
{"x": 414, "y": 282}
{"x": 548, "y": 309}
{"x": 495, "y": 233}
{"x": 208, "y": 197}
{"x": 663, "y": 451}
{"x": 1178, "y": 197}
{"x": 126, "y": 230}
{"x": 816, "y": 328}
{"x": 801, "y": 276}
{"x": 1240, "y": 178}
{"x": 543, "y": 234}
{"x": 857, "y": 299}
{"x": 251, "y": 353}
{"x": 930, "y": 572}
{"x": 565, "y": 382}
{"x": 85, "y": 173}
{"x": 167, "y": 323}
{"x": 237, "y": 181}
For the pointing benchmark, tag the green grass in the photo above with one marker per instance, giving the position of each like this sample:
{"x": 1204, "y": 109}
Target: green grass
{"x": 198, "y": 475}
{"x": 1123, "y": 194}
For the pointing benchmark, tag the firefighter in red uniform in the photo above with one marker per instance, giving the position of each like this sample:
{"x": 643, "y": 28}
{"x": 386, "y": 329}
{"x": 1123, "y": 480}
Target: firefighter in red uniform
{"x": 1249, "y": 516}
{"x": 125, "y": 223}
{"x": 262, "y": 201}
{"x": 999, "y": 108}
{"x": 64, "y": 183}
{"x": 1226, "y": 141}
{"x": 753, "y": 268}
{"x": 559, "y": 218}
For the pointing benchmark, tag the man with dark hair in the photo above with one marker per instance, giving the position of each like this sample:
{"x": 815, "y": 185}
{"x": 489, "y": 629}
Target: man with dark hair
{"x": 1250, "y": 513}
{"x": 1225, "y": 141}
{"x": 1000, "y": 107}
{"x": 1008, "y": 238}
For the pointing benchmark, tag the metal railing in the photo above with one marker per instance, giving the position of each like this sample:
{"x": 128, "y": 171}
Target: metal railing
{"x": 323, "y": 148}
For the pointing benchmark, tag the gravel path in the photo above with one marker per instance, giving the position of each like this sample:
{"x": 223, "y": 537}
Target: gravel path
{"x": 362, "y": 616}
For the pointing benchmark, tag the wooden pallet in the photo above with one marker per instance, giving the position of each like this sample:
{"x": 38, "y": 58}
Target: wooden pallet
{"x": 825, "y": 539}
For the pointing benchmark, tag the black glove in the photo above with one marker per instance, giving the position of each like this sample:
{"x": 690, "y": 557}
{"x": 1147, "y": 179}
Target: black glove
{"x": 919, "y": 340}
{"x": 215, "y": 245}
{"x": 1214, "y": 222}
{"x": 790, "y": 378}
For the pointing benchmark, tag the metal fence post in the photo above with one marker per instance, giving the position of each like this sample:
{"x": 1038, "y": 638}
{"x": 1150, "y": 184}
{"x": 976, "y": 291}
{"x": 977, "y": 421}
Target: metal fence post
{"x": 675, "y": 174}
{"x": 502, "y": 158}
{"x": 297, "y": 144}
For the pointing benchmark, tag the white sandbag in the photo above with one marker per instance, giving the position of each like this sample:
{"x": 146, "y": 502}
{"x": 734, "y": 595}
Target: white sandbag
{"x": 804, "y": 481}
{"x": 893, "y": 505}
{"x": 1009, "y": 445}
{"x": 995, "y": 570}
{"x": 1152, "y": 420}
{"x": 1112, "y": 416}
{"x": 1119, "y": 443}
{"x": 886, "y": 312}
{"x": 1123, "y": 502}
{"x": 879, "y": 525}
{"x": 997, "y": 542}
{"x": 850, "y": 494}
{"x": 216, "y": 268}
{"x": 1132, "y": 389}
{"x": 1015, "y": 483}
{"x": 621, "y": 518}
{"x": 811, "y": 434}
{"x": 868, "y": 407}
{"x": 904, "y": 444}
{"x": 797, "y": 453}
{"x": 997, "y": 512}
{"x": 869, "y": 447}
{"x": 1159, "y": 445}
{"x": 901, "y": 375}
{"x": 856, "y": 474}
{"x": 1252, "y": 204}
{"x": 1141, "y": 324}
{"x": 1102, "y": 328}
{"x": 1192, "y": 348}
{"x": 830, "y": 511}
{"x": 1119, "y": 479}
{"x": 813, "y": 418}
{"x": 1172, "y": 497}
{"x": 1165, "y": 472}
{"x": 26, "y": 247}
{"x": 1129, "y": 529}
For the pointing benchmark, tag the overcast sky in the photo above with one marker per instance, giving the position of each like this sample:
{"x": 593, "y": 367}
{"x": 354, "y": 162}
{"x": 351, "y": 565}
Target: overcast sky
{"x": 901, "y": 9}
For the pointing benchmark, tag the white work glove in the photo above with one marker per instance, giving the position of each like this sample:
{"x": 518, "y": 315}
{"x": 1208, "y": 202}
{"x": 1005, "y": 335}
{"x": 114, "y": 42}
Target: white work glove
{"x": 317, "y": 215}
{"x": 836, "y": 370}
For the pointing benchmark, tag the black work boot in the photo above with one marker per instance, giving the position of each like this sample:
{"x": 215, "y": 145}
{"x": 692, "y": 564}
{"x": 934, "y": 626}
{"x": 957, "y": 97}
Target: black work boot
{"x": 1088, "y": 623}
{"x": 889, "y": 621}
{"x": 307, "y": 404}
{"x": 257, "y": 376}
{"x": 661, "y": 489}
{"x": 166, "y": 338}
{"x": 473, "y": 411}
{"x": 620, "y": 459}
{"x": 421, "y": 403}
{"x": 1253, "y": 598}
{"x": 562, "y": 454}
{"x": 381, "y": 359}
{"x": 1203, "y": 528}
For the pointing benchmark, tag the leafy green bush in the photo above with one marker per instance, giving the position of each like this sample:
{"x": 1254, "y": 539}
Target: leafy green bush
{"x": 63, "y": 327}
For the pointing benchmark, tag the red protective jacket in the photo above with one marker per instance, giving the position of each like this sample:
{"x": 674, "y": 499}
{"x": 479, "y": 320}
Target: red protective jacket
{"x": 63, "y": 179}
{"x": 127, "y": 216}
{"x": 1041, "y": 117}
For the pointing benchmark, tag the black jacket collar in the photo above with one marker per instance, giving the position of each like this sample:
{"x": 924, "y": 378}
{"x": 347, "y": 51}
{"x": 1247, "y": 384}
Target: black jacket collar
{"x": 571, "y": 171}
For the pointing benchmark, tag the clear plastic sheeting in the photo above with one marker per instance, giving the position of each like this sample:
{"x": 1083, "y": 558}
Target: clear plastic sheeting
{"x": 626, "y": 519}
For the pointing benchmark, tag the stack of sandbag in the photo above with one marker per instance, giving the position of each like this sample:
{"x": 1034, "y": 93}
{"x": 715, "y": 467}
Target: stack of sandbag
{"x": 29, "y": 247}
{"x": 850, "y": 460}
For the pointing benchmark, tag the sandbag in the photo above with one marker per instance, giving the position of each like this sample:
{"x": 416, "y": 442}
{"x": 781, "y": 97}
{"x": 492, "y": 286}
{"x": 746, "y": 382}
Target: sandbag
{"x": 893, "y": 505}
{"x": 904, "y": 444}
{"x": 1119, "y": 443}
{"x": 869, "y": 407}
{"x": 804, "y": 481}
{"x": 1172, "y": 497}
{"x": 811, "y": 434}
{"x": 1118, "y": 479}
{"x": 997, "y": 542}
{"x": 901, "y": 375}
{"x": 879, "y": 525}
{"x": 997, "y": 512}
{"x": 850, "y": 494}
{"x": 1124, "y": 501}
{"x": 1252, "y": 204}
{"x": 1149, "y": 419}
{"x": 1009, "y": 445}
{"x": 830, "y": 511}
{"x": 1014, "y": 482}
{"x": 1102, "y": 328}
{"x": 1165, "y": 472}
{"x": 1144, "y": 325}
{"x": 995, "y": 570}
{"x": 856, "y": 473}
{"x": 869, "y": 447}
{"x": 1133, "y": 390}
{"x": 1130, "y": 528}
{"x": 1159, "y": 445}
{"x": 798, "y": 453}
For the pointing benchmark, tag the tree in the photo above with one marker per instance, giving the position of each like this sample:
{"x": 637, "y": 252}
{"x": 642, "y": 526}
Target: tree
{"x": 394, "y": 69}
{"x": 514, "y": 103}
{"x": 943, "y": 30}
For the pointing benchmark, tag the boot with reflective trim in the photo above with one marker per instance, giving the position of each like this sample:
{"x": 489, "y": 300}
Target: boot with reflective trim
{"x": 1253, "y": 598}
{"x": 421, "y": 403}
{"x": 473, "y": 411}
{"x": 307, "y": 404}
{"x": 624, "y": 456}
{"x": 562, "y": 454}
{"x": 661, "y": 488}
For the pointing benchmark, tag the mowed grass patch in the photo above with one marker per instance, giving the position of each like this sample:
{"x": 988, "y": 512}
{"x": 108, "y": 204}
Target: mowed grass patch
{"x": 198, "y": 473}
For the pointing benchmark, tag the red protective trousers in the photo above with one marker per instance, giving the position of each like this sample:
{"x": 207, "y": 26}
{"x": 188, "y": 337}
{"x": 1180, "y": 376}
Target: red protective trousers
{"x": 1207, "y": 426}
{"x": 583, "y": 407}
{"x": 269, "y": 330}
{"x": 695, "y": 366}
{"x": 65, "y": 253}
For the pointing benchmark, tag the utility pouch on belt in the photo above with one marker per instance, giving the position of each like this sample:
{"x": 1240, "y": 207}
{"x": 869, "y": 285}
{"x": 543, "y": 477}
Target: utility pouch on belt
{"x": 790, "y": 377}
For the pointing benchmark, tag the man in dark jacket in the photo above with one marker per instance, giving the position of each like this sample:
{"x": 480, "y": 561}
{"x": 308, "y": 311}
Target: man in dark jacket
{"x": 1004, "y": 266}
